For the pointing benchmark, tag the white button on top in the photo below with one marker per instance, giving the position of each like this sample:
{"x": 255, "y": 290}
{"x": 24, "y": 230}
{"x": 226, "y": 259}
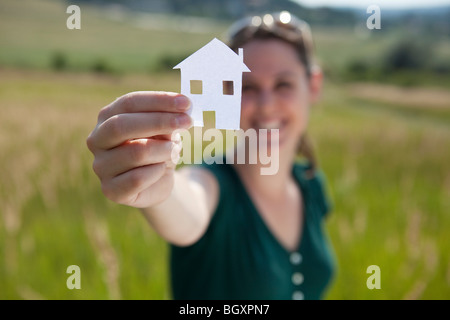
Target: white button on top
{"x": 296, "y": 258}
{"x": 297, "y": 278}
{"x": 298, "y": 295}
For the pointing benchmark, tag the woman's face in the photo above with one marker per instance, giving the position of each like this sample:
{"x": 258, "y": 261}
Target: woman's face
{"x": 277, "y": 93}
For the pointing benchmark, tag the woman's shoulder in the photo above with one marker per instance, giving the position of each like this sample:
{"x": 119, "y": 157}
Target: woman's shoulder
{"x": 221, "y": 172}
{"x": 314, "y": 177}
{"x": 314, "y": 183}
{"x": 221, "y": 177}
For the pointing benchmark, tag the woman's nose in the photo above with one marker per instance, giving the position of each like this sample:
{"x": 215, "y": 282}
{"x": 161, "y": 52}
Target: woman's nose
{"x": 266, "y": 101}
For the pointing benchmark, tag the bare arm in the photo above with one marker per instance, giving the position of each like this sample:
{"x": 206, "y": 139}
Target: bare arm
{"x": 184, "y": 216}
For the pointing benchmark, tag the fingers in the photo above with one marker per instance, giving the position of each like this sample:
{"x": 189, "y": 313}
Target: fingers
{"x": 126, "y": 187}
{"x": 134, "y": 146}
{"x": 145, "y": 101}
{"x": 137, "y": 115}
{"x": 156, "y": 193}
{"x": 123, "y": 127}
{"x": 133, "y": 154}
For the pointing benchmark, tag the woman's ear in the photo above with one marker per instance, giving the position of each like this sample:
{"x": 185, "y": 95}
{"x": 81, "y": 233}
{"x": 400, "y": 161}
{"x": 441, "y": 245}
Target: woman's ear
{"x": 315, "y": 84}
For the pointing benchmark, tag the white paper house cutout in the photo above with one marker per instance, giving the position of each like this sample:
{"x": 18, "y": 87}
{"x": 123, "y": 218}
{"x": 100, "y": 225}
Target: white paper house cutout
{"x": 212, "y": 68}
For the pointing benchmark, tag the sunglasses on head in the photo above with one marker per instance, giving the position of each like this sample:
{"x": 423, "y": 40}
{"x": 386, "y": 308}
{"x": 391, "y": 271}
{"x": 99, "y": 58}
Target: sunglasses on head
{"x": 281, "y": 25}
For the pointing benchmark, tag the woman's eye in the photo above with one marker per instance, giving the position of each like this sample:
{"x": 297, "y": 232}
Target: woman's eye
{"x": 248, "y": 89}
{"x": 283, "y": 85}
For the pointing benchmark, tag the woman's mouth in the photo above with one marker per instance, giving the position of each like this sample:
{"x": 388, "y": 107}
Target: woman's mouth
{"x": 270, "y": 125}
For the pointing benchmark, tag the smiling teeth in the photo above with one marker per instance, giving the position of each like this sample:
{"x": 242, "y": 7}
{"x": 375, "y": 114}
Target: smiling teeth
{"x": 270, "y": 125}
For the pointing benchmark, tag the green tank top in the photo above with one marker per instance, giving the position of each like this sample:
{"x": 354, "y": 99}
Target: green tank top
{"x": 238, "y": 257}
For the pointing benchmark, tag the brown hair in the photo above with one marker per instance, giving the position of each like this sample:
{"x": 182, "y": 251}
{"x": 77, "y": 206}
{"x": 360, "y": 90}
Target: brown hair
{"x": 289, "y": 29}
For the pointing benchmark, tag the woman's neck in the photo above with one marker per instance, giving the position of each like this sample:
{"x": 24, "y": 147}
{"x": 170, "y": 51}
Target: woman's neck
{"x": 272, "y": 186}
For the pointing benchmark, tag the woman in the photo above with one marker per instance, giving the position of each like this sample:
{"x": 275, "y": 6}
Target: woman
{"x": 235, "y": 234}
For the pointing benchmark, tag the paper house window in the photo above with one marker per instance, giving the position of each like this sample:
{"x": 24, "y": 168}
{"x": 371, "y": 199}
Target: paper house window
{"x": 196, "y": 86}
{"x": 228, "y": 87}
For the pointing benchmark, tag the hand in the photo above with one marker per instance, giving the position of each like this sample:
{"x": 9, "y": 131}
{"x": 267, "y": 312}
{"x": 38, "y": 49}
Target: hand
{"x": 132, "y": 146}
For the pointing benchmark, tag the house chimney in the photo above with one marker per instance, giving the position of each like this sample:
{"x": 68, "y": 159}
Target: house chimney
{"x": 241, "y": 54}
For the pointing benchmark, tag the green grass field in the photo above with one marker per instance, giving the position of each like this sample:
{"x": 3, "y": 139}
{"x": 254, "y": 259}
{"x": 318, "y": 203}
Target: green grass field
{"x": 385, "y": 157}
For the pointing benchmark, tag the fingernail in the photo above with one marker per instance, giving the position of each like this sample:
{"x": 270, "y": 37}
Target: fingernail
{"x": 182, "y": 103}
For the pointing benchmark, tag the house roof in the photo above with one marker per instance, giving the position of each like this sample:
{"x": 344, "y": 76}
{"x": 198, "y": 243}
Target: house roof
{"x": 215, "y": 54}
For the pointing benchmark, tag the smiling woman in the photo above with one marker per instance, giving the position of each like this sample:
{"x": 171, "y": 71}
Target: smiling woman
{"x": 234, "y": 232}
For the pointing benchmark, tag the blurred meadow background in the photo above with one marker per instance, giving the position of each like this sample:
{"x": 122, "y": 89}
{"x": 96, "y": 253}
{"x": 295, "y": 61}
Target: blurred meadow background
{"x": 381, "y": 131}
